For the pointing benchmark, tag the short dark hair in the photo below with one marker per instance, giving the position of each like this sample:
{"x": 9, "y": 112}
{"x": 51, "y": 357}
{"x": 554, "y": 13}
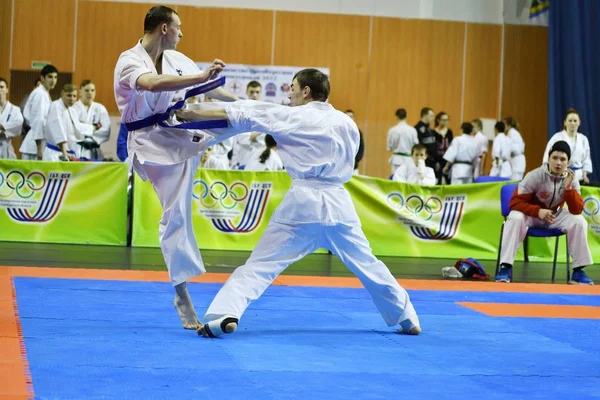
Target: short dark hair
{"x": 317, "y": 81}
{"x": 401, "y": 113}
{"x": 425, "y": 111}
{"x": 253, "y": 84}
{"x": 500, "y": 126}
{"x": 510, "y": 121}
{"x": 48, "y": 69}
{"x": 84, "y": 83}
{"x": 466, "y": 127}
{"x": 4, "y": 80}
{"x": 158, "y": 15}
{"x": 69, "y": 88}
{"x": 418, "y": 147}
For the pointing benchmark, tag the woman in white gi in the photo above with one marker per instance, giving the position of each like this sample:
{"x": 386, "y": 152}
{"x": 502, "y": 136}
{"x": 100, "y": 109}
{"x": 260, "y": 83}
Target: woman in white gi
{"x": 317, "y": 144}
{"x": 35, "y": 113}
{"x": 92, "y": 121}
{"x": 147, "y": 78}
{"x": 581, "y": 160}
{"x": 60, "y": 133}
{"x": 501, "y": 150}
{"x": 517, "y": 161}
{"x": 461, "y": 156}
{"x": 539, "y": 202}
{"x": 416, "y": 171}
{"x": 400, "y": 140}
{"x": 11, "y": 122}
{"x": 268, "y": 159}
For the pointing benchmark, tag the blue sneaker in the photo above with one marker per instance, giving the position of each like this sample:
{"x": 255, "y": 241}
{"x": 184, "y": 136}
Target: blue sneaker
{"x": 504, "y": 275}
{"x": 580, "y": 278}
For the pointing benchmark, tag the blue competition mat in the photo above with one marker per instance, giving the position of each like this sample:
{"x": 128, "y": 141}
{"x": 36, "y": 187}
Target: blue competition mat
{"x": 89, "y": 339}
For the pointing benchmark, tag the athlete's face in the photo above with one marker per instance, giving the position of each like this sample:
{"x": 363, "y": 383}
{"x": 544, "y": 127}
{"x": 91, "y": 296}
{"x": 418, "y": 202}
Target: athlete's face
{"x": 419, "y": 155}
{"x": 253, "y": 93}
{"x": 172, "y": 32}
{"x": 572, "y": 122}
{"x": 49, "y": 81}
{"x": 69, "y": 98}
{"x": 298, "y": 95}
{"x": 88, "y": 93}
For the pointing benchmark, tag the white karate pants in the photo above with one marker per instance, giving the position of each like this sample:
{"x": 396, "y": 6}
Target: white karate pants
{"x": 575, "y": 226}
{"x": 282, "y": 245}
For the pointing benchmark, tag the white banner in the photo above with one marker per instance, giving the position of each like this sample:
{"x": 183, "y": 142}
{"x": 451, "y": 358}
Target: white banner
{"x": 274, "y": 79}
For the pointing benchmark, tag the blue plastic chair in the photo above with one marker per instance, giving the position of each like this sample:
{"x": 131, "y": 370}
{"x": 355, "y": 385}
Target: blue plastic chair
{"x": 391, "y": 177}
{"x": 506, "y": 194}
{"x": 487, "y": 178}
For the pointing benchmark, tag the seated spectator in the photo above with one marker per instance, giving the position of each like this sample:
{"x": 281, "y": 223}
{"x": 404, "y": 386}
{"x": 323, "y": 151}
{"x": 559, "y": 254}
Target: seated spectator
{"x": 461, "y": 156}
{"x": 415, "y": 171}
{"x": 539, "y": 202}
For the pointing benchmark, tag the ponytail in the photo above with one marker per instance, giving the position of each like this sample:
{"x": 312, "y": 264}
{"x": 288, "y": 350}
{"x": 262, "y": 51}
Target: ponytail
{"x": 265, "y": 155}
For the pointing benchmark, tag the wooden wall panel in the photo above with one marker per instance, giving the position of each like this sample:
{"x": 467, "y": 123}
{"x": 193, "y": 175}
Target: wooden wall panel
{"x": 482, "y": 73}
{"x": 5, "y": 17}
{"x": 43, "y": 31}
{"x": 525, "y": 88}
{"x": 233, "y": 35}
{"x": 414, "y": 63}
{"x": 340, "y": 42}
{"x": 99, "y": 46}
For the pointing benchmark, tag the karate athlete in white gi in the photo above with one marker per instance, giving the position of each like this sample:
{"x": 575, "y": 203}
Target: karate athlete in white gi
{"x": 146, "y": 79}
{"x": 461, "y": 156}
{"x": 317, "y": 144}
{"x": 11, "y": 122}
{"x": 268, "y": 159}
{"x": 59, "y": 132}
{"x": 35, "y": 113}
{"x": 581, "y": 160}
{"x": 400, "y": 140}
{"x": 517, "y": 161}
{"x": 92, "y": 121}
{"x": 482, "y": 144}
{"x": 501, "y": 150}
{"x": 416, "y": 171}
{"x": 539, "y": 201}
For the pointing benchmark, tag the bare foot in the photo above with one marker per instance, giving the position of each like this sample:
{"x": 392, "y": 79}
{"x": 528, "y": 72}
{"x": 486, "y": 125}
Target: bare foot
{"x": 408, "y": 328}
{"x": 185, "y": 308}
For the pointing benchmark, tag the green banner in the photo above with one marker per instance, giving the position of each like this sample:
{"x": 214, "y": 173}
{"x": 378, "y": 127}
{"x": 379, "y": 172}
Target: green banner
{"x": 231, "y": 210}
{"x": 63, "y": 202}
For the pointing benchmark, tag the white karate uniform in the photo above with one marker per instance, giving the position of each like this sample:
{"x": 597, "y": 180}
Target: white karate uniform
{"x": 85, "y": 122}
{"x": 581, "y": 159}
{"x": 409, "y": 173}
{"x": 273, "y": 163}
{"x": 546, "y": 188}
{"x": 400, "y": 140}
{"x": 168, "y": 157}
{"x": 35, "y": 113}
{"x": 517, "y": 162}
{"x": 482, "y": 144}
{"x": 244, "y": 148}
{"x": 501, "y": 150}
{"x": 12, "y": 121}
{"x": 463, "y": 152}
{"x": 317, "y": 144}
{"x": 217, "y": 162}
{"x": 59, "y": 128}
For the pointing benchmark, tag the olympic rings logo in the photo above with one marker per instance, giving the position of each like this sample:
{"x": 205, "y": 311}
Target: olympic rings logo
{"x": 219, "y": 193}
{"x": 591, "y": 208}
{"x": 415, "y": 206}
{"x": 24, "y": 187}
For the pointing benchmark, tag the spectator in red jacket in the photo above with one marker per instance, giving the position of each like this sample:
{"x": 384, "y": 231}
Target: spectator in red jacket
{"x": 539, "y": 202}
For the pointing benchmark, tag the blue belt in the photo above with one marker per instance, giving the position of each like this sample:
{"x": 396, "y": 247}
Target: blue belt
{"x": 56, "y": 148}
{"x": 575, "y": 169}
{"x": 161, "y": 117}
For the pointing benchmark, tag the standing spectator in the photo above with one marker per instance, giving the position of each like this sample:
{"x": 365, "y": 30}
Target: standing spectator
{"x": 501, "y": 150}
{"x": 517, "y": 161}
{"x": 427, "y": 136}
{"x": 580, "y": 162}
{"x": 11, "y": 122}
{"x": 361, "y": 145}
{"x": 92, "y": 120}
{"x": 443, "y": 138}
{"x": 482, "y": 143}
{"x": 461, "y": 156}
{"x": 400, "y": 140}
